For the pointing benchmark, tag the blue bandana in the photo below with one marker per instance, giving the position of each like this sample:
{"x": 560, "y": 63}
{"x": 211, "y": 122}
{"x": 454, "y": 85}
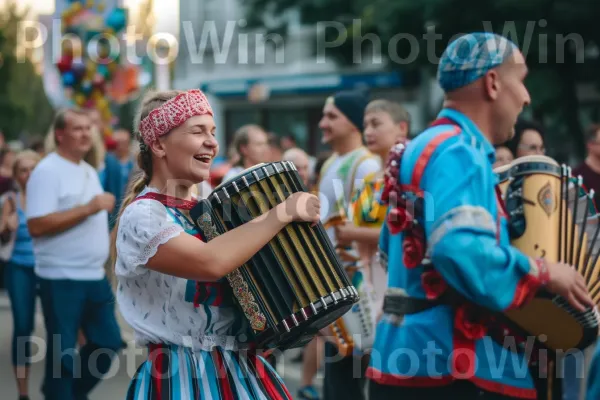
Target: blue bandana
{"x": 470, "y": 56}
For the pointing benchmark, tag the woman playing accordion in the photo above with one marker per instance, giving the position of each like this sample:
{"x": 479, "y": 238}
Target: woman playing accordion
{"x": 170, "y": 281}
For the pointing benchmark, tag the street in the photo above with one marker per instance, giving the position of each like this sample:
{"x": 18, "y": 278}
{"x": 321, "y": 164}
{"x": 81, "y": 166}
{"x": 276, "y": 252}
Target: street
{"x": 117, "y": 380}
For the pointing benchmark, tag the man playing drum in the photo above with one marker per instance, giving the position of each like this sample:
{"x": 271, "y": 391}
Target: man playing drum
{"x": 425, "y": 347}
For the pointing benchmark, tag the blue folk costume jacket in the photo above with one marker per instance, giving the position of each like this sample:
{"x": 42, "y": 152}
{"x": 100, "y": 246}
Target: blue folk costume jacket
{"x": 459, "y": 244}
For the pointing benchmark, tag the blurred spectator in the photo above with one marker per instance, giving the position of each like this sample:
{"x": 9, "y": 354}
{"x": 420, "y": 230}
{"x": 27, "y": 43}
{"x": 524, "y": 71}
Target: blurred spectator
{"x": 300, "y": 160}
{"x": 316, "y": 171}
{"x": 119, "y": 167}
{"x": 252, "y": 145}
{"x": 67, "y": 218}
{"x": 95, "y": 156}
{"x": 528, "y": 139}
{"x": 7, "y": 162}
{"x": 37, "y": 145}
{"x": 6, "y": 181}
{"x": 503, "y": 156}
{"x": 590, "y": 168}
{"x": 275, "y": 151}
{"x": 20, "y": 279}
{"x": 288, "y": 142}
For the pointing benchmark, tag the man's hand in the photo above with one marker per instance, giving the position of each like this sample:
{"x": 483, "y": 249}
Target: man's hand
{"x": 104, "y": 201}
{"x": 568, "y": 283}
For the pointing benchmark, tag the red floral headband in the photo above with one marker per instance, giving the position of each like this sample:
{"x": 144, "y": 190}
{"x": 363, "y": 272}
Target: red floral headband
{"x": 173, "y": 113}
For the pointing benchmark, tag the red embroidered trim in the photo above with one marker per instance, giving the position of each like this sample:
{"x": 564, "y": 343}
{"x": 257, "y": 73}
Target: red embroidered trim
{"x": 425, "y": 381}
{"x": 529, "y": 285}
{"x": 505, "y": 390}
{"x": 169, "y": 201}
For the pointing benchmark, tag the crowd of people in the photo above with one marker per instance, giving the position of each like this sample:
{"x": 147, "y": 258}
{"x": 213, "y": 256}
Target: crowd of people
{"x": 81, "y": 209}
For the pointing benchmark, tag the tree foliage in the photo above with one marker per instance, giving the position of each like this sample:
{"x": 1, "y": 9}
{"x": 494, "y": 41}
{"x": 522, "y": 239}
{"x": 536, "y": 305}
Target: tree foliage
{"x": 559, "y": 38}
{"x": 24, "y": 106}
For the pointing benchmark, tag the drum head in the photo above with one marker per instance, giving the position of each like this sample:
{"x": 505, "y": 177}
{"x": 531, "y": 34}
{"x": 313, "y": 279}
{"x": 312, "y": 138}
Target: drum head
{"x": 534, "y": 164}
{"x": 503, "y": 172}
{"x": 240, "y": 174}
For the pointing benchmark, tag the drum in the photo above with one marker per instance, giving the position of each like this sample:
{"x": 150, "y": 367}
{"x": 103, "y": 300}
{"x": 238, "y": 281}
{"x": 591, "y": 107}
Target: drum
{"x": 295, "y": 285}
{"x": 503, "y": 173}
{"x": 549, "y": 214}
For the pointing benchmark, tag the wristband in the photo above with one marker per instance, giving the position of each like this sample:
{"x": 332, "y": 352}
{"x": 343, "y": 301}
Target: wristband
{"x": 543, "y": 273}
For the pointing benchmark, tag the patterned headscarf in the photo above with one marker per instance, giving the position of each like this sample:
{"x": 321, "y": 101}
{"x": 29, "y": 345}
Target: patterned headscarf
{"x": 470, "y": 56}
{"x": 173, "y": 113}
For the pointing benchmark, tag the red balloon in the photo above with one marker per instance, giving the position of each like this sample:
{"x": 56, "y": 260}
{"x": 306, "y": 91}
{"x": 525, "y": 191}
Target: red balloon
{"x": 64, "y": 64}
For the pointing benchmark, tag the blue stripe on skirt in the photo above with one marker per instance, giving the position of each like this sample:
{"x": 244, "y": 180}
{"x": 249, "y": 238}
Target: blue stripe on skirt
{"x": 177, "y": 373}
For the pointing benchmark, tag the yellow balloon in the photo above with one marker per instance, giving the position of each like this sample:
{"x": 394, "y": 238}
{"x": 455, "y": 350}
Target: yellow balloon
{"x": 79, "y": 99}
{"x": 89, "y": 3}
{"x": 76, "y": 7}
{"x": 100, "y": 7}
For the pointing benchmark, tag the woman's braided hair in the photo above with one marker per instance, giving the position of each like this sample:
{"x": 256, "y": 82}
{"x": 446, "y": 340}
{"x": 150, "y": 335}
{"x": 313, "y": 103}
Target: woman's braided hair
{"x": 142, "y": 178}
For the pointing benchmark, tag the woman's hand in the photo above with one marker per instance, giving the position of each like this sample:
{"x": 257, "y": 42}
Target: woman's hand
{"x": 301, "y": 206}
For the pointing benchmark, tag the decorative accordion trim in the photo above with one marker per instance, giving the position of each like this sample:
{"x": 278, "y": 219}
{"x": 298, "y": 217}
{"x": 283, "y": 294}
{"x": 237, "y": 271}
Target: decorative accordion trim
{"x": 246, "y": 299}
{"x": 208, "y": 228}
{"x": 173, "y": 113}
{"x": 237, "y": 282}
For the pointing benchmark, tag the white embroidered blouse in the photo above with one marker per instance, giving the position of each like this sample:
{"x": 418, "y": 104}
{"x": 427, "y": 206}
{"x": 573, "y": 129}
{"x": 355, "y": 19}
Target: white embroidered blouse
{"x": 159, "y": 307}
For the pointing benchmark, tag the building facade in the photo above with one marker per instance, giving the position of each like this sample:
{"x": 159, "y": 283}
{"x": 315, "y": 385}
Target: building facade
{"x": 278, "y": 82}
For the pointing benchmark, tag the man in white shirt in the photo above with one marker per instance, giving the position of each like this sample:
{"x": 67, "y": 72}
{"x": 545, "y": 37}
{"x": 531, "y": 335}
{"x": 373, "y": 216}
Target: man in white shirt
{"x": 67, "y": 218}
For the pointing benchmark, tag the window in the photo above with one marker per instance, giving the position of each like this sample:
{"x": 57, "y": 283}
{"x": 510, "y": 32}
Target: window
{"x": 238, "y": 118}
{"x": 289, "y": 122}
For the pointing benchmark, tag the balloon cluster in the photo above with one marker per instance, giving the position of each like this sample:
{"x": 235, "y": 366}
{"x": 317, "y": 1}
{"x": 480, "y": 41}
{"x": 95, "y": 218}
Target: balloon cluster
{"x": 88, "y": 61}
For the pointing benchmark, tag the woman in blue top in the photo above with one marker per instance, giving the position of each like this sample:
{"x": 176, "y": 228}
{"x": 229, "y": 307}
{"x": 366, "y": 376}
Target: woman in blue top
{"x": 20, "y": 276}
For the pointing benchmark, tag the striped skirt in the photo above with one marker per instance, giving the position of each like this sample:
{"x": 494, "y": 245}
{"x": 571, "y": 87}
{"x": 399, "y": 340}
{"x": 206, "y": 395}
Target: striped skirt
{"x": 177, "y": 373}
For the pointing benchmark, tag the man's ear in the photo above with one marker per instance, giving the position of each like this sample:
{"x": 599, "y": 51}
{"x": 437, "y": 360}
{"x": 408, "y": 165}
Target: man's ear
{"x": 492, "y": 84}
{"x": 403, "y": 126}
{"x": 58, "y": 136}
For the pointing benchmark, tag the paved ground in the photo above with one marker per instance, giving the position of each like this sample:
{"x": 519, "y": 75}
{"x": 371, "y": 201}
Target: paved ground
{"x": 117, "y": 380}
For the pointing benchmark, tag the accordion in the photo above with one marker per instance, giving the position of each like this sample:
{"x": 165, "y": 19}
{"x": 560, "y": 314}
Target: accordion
{"x": 552, "y": 216}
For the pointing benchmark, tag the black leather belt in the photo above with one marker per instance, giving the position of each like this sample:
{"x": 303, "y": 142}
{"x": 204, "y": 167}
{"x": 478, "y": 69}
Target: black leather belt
{"x": 401, "y": 304}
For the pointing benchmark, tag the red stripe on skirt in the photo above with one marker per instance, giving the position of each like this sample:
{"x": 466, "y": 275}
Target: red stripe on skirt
{"x": 156, "y": 355}
{"x": 269, "y": 381}
{"x": 224, "y": 388}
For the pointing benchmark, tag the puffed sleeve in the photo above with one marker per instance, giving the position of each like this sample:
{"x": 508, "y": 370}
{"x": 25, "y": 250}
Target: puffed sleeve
{"x": 144, "y": 226}
{"x": 462, "y": 233}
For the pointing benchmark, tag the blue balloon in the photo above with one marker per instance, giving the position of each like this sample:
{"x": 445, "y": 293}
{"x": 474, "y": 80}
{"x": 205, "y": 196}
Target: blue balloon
{"x": 68, "y": 78}
{"x": 86, "y": 87}
{"x": 117, "y": 19}
{"x": 78, "y": 68}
